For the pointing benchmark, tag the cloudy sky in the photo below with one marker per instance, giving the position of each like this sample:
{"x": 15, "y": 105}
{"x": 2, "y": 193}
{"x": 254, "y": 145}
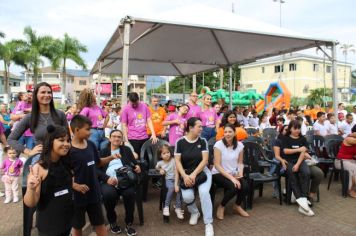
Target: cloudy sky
{"x": 94, "y": 21}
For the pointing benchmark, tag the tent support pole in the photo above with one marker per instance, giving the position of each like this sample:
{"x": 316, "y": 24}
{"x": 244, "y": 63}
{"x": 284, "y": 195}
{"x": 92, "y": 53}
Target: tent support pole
{"x": 125, "y": 61}
{"x": 194, "y": 83}
{"x": 230, "y": 86}
{"x": 334, "y": 78}
{"x": 98, "y": 87}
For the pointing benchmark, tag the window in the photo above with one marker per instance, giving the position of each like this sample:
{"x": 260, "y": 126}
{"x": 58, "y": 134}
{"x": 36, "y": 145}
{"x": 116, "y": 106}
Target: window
{"x": 328, "y": 69}
{"x": 277, "y": 69}
{"x": 263, "y": 69}
{"x": 315, "y": 67}
{"x": 292, "y": 67}
{"x": 306, "y": 89}
{"x": 82, "y": 82}
{"x": 249, "y": 85}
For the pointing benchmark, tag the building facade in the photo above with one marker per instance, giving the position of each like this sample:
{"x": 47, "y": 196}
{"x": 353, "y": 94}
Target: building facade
{"x": 16, "y": 86}
{"x": 301, "y": 73}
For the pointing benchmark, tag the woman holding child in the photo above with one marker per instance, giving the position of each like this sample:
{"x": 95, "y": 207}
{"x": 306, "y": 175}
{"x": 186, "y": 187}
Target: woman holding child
{"x": 121, "y": 155}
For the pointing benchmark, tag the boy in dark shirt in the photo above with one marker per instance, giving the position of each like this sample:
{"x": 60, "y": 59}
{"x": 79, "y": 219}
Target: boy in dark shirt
{"x": 83, "y": 158}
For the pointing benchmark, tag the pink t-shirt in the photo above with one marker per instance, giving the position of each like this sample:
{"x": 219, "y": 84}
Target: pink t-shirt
{"x": 194, "y": 111}
{"x": 136, "y": 119}
{"x": 12, "y": 168}
{"x": 176, "y": 131}
{"x": 20, "y": 109}
{"x": 209, "y": 117}
{"x": 95, "y": 114}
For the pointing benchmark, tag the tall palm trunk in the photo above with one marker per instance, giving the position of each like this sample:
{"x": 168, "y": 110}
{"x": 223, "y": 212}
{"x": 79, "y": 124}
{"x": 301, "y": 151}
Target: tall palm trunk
{"x": 6, "y": 80}
{"x": 64, "y": 80}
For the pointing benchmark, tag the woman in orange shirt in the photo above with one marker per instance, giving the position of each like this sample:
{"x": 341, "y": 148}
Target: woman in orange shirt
{"x": 230, "y": 117}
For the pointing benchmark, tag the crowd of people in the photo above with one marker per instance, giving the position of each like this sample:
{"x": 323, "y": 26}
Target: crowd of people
{"x": 76, "y": 156}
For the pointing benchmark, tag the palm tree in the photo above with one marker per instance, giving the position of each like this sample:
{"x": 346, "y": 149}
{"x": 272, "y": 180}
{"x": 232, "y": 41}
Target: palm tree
{"x": 346, "y": 48}
{"x": 8, "y": 52}
{"x": 33, "y": 49}
{"x": 67, "y": 49}
{"x": 318, "y": 95}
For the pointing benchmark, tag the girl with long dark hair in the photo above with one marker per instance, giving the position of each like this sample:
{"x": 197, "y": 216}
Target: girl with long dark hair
{"x": 49, "y": 185}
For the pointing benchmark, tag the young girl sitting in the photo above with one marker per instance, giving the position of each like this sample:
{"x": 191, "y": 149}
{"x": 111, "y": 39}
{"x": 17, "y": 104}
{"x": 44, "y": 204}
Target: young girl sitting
{"x": 11, "y": 168}
{"x": 167, "y": 167}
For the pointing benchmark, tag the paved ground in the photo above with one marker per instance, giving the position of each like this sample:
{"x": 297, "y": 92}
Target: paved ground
{"x": 335, "y": 215}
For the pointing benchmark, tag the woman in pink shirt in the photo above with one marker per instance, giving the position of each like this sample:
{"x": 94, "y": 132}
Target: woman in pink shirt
{"x": 134, "y": 118}
{"x": 177, "y": 123}
{"x": 209, "y": 117}
{"x": 88, "y": 107}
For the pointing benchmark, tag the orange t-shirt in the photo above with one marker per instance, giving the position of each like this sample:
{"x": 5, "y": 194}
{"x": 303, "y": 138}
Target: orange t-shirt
{"x": 313, "y": 113}
{"x": 157, "y": 117}
{"x": 241, "y": 133}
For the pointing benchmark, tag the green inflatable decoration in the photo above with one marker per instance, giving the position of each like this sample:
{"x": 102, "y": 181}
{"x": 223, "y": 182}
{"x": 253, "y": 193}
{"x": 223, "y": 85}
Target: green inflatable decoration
{"x": 238, "y": 98}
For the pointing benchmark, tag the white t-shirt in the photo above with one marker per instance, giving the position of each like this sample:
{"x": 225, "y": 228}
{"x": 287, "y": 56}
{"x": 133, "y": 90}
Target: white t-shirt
{"x": 346, "y": 128}
{"x": 321, "y": 128}
{"x": 229, "y": 157}
{"x": 264, "y": 125}
{"x": 245, "y": 121}
{"x": 331, "y": 128}
{"x": 169, "y": 167}
{"x": 253, "y": 122}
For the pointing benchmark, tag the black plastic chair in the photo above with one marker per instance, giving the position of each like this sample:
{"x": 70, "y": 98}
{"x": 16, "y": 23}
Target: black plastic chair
{"x": 254, "y": 139}
{"x": 333, "y": 149}
{"x": 149, "y": 150}
{"x": 251, "y": 131}
{"x": 253, "y": 155}
{"x": 211, "y": 144}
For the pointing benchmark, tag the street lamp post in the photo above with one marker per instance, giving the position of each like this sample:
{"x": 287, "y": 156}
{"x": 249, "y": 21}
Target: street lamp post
{"x": 280, "y": 25}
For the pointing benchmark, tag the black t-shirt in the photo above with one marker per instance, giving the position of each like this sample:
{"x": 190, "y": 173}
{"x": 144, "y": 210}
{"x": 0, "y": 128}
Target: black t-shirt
{"x": 191, "y": 152}
{"x": 83, "y": 162}
{"x": 292, "y": 143}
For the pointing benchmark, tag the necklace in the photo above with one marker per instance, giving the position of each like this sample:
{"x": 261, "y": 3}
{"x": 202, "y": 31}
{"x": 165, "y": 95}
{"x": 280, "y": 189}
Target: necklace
{"x": 45, "y": 117}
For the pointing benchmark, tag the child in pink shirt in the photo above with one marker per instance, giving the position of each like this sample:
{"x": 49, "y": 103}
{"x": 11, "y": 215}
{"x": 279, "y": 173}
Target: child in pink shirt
{"x": 11, "y": 168}
{"x": 177, "y": 123}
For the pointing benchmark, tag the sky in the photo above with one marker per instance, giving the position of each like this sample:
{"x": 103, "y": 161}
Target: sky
{"x": 93, "y": 21}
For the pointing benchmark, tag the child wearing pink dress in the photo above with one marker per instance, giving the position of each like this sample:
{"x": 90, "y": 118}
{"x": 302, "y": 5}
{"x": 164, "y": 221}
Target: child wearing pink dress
{"x": 11, "y": 168}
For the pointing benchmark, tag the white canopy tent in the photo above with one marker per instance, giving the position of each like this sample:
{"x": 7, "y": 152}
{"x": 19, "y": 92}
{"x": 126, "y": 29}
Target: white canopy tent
{"x": 197, "y": 39}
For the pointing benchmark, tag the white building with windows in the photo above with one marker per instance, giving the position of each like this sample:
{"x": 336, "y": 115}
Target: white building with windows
{"x": 300, "y": 72}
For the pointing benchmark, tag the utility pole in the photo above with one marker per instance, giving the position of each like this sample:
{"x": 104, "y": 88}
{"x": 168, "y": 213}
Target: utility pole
{"x": 280, "y": 25}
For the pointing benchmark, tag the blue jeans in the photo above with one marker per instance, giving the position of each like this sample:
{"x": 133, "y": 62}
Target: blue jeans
{"x": 28, "y": 141}
{"x": 169, "y": 196}
{"x": 208, "y": 133}
{"x": 97, "y": 136}
{"x": 205, "y": 199}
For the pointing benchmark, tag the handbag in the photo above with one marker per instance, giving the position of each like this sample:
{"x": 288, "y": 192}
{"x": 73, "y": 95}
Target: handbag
{"x": 126, "y": 177}
{"x": 199, "y": 179}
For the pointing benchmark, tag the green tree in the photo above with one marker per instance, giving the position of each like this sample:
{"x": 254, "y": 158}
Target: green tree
{"x": 8, "y": 53}
{"x": 316, "y": 96}
{"x": 33, "y": 49}
{"x": 67, "y": 49}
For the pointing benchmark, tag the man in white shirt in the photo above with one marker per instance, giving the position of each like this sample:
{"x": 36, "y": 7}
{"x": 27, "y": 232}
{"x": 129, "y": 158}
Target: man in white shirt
{"x": 354, "y": 112}
{"x": 330, "y": 124}
{"x": 319, "y": 127}
{"x": 346, "y": 126}
{"x": 254, "y": 120}
{"x": 341, "y": 109}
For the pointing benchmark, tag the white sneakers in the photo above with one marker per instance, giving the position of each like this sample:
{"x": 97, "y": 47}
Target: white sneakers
{"x": 166, "y": 211}
{"x": 307, "y": 213}
{"x": 304, "y": 206}
{"x": 209, "y": 230}
{"x": 179, "y": 213}
{"x": 7, "y": 200}
{"x": 194, "y": 218}
{"x": 2, "y": 194}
